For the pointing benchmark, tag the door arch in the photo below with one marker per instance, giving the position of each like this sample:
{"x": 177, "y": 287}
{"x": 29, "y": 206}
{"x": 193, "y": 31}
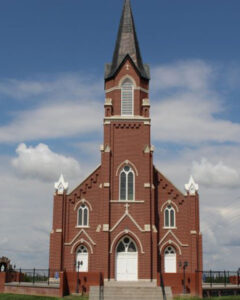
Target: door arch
{"x": 126, "y": 260}
{"x": 170, "y": 260}
{"x": 82, "y": 259}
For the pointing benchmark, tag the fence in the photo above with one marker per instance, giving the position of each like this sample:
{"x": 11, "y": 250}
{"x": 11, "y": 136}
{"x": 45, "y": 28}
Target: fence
{"x": 224, "y": 278}
{"x": 33, "y": 276}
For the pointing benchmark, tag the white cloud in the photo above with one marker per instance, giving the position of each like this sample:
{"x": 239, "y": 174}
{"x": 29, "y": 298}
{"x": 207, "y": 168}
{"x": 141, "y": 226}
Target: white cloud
{"x": 218, "y": 175}
{"x": 190, "y": 74}
{"x": 53, "y": 121}
{"x": 187, "y": 107}
{"x": 41, "y": 163}
{"x": 59, "y": 87}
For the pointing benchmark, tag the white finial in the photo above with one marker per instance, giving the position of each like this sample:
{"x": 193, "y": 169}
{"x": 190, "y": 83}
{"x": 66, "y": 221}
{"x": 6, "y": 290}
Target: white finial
{"x": 191, "y": 187}
{"x": 61, "y": 185}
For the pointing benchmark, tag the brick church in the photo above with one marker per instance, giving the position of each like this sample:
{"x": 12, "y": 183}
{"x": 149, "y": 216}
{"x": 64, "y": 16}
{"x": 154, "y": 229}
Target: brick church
{"x": 126, "y": 219}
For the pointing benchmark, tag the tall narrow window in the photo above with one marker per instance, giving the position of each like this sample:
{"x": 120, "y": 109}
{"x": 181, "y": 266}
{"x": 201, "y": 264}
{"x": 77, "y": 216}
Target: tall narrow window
{"x": 127, "y": 184}
{"x": 83, "y": 215}
{"x": 169, "y": 217}
{"x": 127, "y": 98}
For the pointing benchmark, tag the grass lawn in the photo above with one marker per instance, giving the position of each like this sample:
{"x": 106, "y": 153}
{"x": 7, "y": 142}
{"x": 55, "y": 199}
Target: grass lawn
{"x": 24, "y": 297}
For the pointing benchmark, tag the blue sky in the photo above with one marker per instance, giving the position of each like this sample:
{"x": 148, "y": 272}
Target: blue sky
{"x": 52, "y": 58}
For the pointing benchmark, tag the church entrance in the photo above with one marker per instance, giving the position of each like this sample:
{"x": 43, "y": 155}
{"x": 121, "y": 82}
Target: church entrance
{"x": 170, "y": 260}
{"x": 82, "y": 259}
{"x": 126, "y": 260}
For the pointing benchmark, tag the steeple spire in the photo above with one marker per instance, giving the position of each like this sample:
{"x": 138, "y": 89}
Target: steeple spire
{"x": 127, "y": 44}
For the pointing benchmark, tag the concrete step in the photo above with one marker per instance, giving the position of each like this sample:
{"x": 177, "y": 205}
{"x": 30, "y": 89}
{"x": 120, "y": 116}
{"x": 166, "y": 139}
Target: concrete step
{"x": 114, "y": 283}
{"x": 129, "y": 292}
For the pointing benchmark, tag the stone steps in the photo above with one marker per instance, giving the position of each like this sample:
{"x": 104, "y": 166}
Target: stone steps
{"x": 129, "y": 293}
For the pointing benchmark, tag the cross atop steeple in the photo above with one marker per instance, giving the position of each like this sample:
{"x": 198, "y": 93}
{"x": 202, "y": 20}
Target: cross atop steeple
{"x": 127, "y": 44}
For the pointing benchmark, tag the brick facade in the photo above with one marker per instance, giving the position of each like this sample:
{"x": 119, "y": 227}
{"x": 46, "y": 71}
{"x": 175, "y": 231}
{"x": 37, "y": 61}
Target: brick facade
{"x": 127, "y": 141}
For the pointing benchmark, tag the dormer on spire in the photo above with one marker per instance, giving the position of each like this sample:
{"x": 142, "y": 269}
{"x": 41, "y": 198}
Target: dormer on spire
{"x": 127, "y": 45}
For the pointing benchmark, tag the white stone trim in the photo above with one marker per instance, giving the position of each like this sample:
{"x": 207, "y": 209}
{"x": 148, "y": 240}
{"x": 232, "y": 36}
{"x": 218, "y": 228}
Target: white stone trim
{"x": 127, "y": 201}
{"x": 146, "y": 102}
{"x": 147, "y": 123}
{"x": 101, "y": 148}
{"x": 169, "y": 202}
{"x": 147, "y": 185}
{"x": 175, "y": 227}
{"x": 52, "y": 231}
{"x": 83, "y": 201}
{"x": 193, "y": 232}
{"x": 108, "y": 102}
{"x": 170, "y": 231}
{"x": 125, "y": 118}
{"x": 77, "y": 235}
{"x": 106, "y": 184}
{"x": 106, "y": 227}
{"x": 136, "y": 88}
{"x": 154, "y": 229}
{"x": 99, "y": 228}
{"x": 126, "y": 162}
{"x": 126, "y": 232}
{"x": 81, "y": 241}
{"x": 125, "y": 77}
{"x": 170, "y": 242}
{"x": 79, "y": 226}
{"x": 127, "y": 214}
{"x": 59, "y": 230}
{"x": 107, "y": 122}
{"x": 147, "y": 227}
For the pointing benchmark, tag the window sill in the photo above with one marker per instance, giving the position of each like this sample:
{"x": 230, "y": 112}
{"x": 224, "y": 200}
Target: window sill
{"x": 127, "y": 201}
{"x": 82, "y": 226}
{"x": 169, "y": 227}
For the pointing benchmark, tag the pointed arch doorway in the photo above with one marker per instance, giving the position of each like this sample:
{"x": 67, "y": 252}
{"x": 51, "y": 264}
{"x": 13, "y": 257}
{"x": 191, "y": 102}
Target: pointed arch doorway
{"x": 126, "y": 260}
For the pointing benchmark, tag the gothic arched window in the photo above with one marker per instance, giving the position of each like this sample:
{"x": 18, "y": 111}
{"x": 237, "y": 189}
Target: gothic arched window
{"x": 169, "y": 216}
{"x": 83, "y": 215}
{"x": 127, "y": 184}
{"x": 127, "y": 98}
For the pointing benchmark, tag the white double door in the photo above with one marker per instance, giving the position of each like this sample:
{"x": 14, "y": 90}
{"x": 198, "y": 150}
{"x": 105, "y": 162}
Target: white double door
{"x": 82, "y": 261}
{"x": 127, "y": 266}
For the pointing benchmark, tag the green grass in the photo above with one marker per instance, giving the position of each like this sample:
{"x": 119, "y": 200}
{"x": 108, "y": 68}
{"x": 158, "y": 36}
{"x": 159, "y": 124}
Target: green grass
{"x": 25, "y": 297}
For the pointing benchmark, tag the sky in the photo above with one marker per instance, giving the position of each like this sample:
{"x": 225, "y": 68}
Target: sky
{"x": 52, "y": 56}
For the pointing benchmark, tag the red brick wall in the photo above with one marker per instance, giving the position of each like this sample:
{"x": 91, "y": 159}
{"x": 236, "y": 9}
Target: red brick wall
{"x": 2, "y": 281}
{"x": 38, "y": 291}
{"x": 176, "y": 283}
{"x": 85, "y": 281}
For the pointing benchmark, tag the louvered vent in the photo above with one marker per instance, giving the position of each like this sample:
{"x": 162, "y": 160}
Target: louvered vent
{"x": 127, "y": 98}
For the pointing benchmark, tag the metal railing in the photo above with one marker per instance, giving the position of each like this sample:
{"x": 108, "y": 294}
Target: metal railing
{"x": 223, "y": 278}
{"x": 33, "y": 276}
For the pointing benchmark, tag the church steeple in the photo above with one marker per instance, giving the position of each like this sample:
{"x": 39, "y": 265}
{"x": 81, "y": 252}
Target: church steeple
{"x": 127, "y": 45}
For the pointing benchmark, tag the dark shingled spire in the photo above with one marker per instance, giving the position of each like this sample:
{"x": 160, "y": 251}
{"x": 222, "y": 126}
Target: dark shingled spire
{"x": 127, "y": 44}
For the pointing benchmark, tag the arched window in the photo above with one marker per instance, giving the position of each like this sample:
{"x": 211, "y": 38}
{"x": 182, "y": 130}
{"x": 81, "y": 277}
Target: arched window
{"x": 82, "y": 259}
{"x": 170, "y": 260}
{"x": 127, "y": 98}
{"x": 127, "y": 184}
{"x": 126, "y": 245}
{"x": 83, "y": 215}
{"x": 169, "y": 217}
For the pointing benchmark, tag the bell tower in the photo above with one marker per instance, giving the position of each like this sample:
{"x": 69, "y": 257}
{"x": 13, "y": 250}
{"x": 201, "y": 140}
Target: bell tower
{"x": 127, "y": 151}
